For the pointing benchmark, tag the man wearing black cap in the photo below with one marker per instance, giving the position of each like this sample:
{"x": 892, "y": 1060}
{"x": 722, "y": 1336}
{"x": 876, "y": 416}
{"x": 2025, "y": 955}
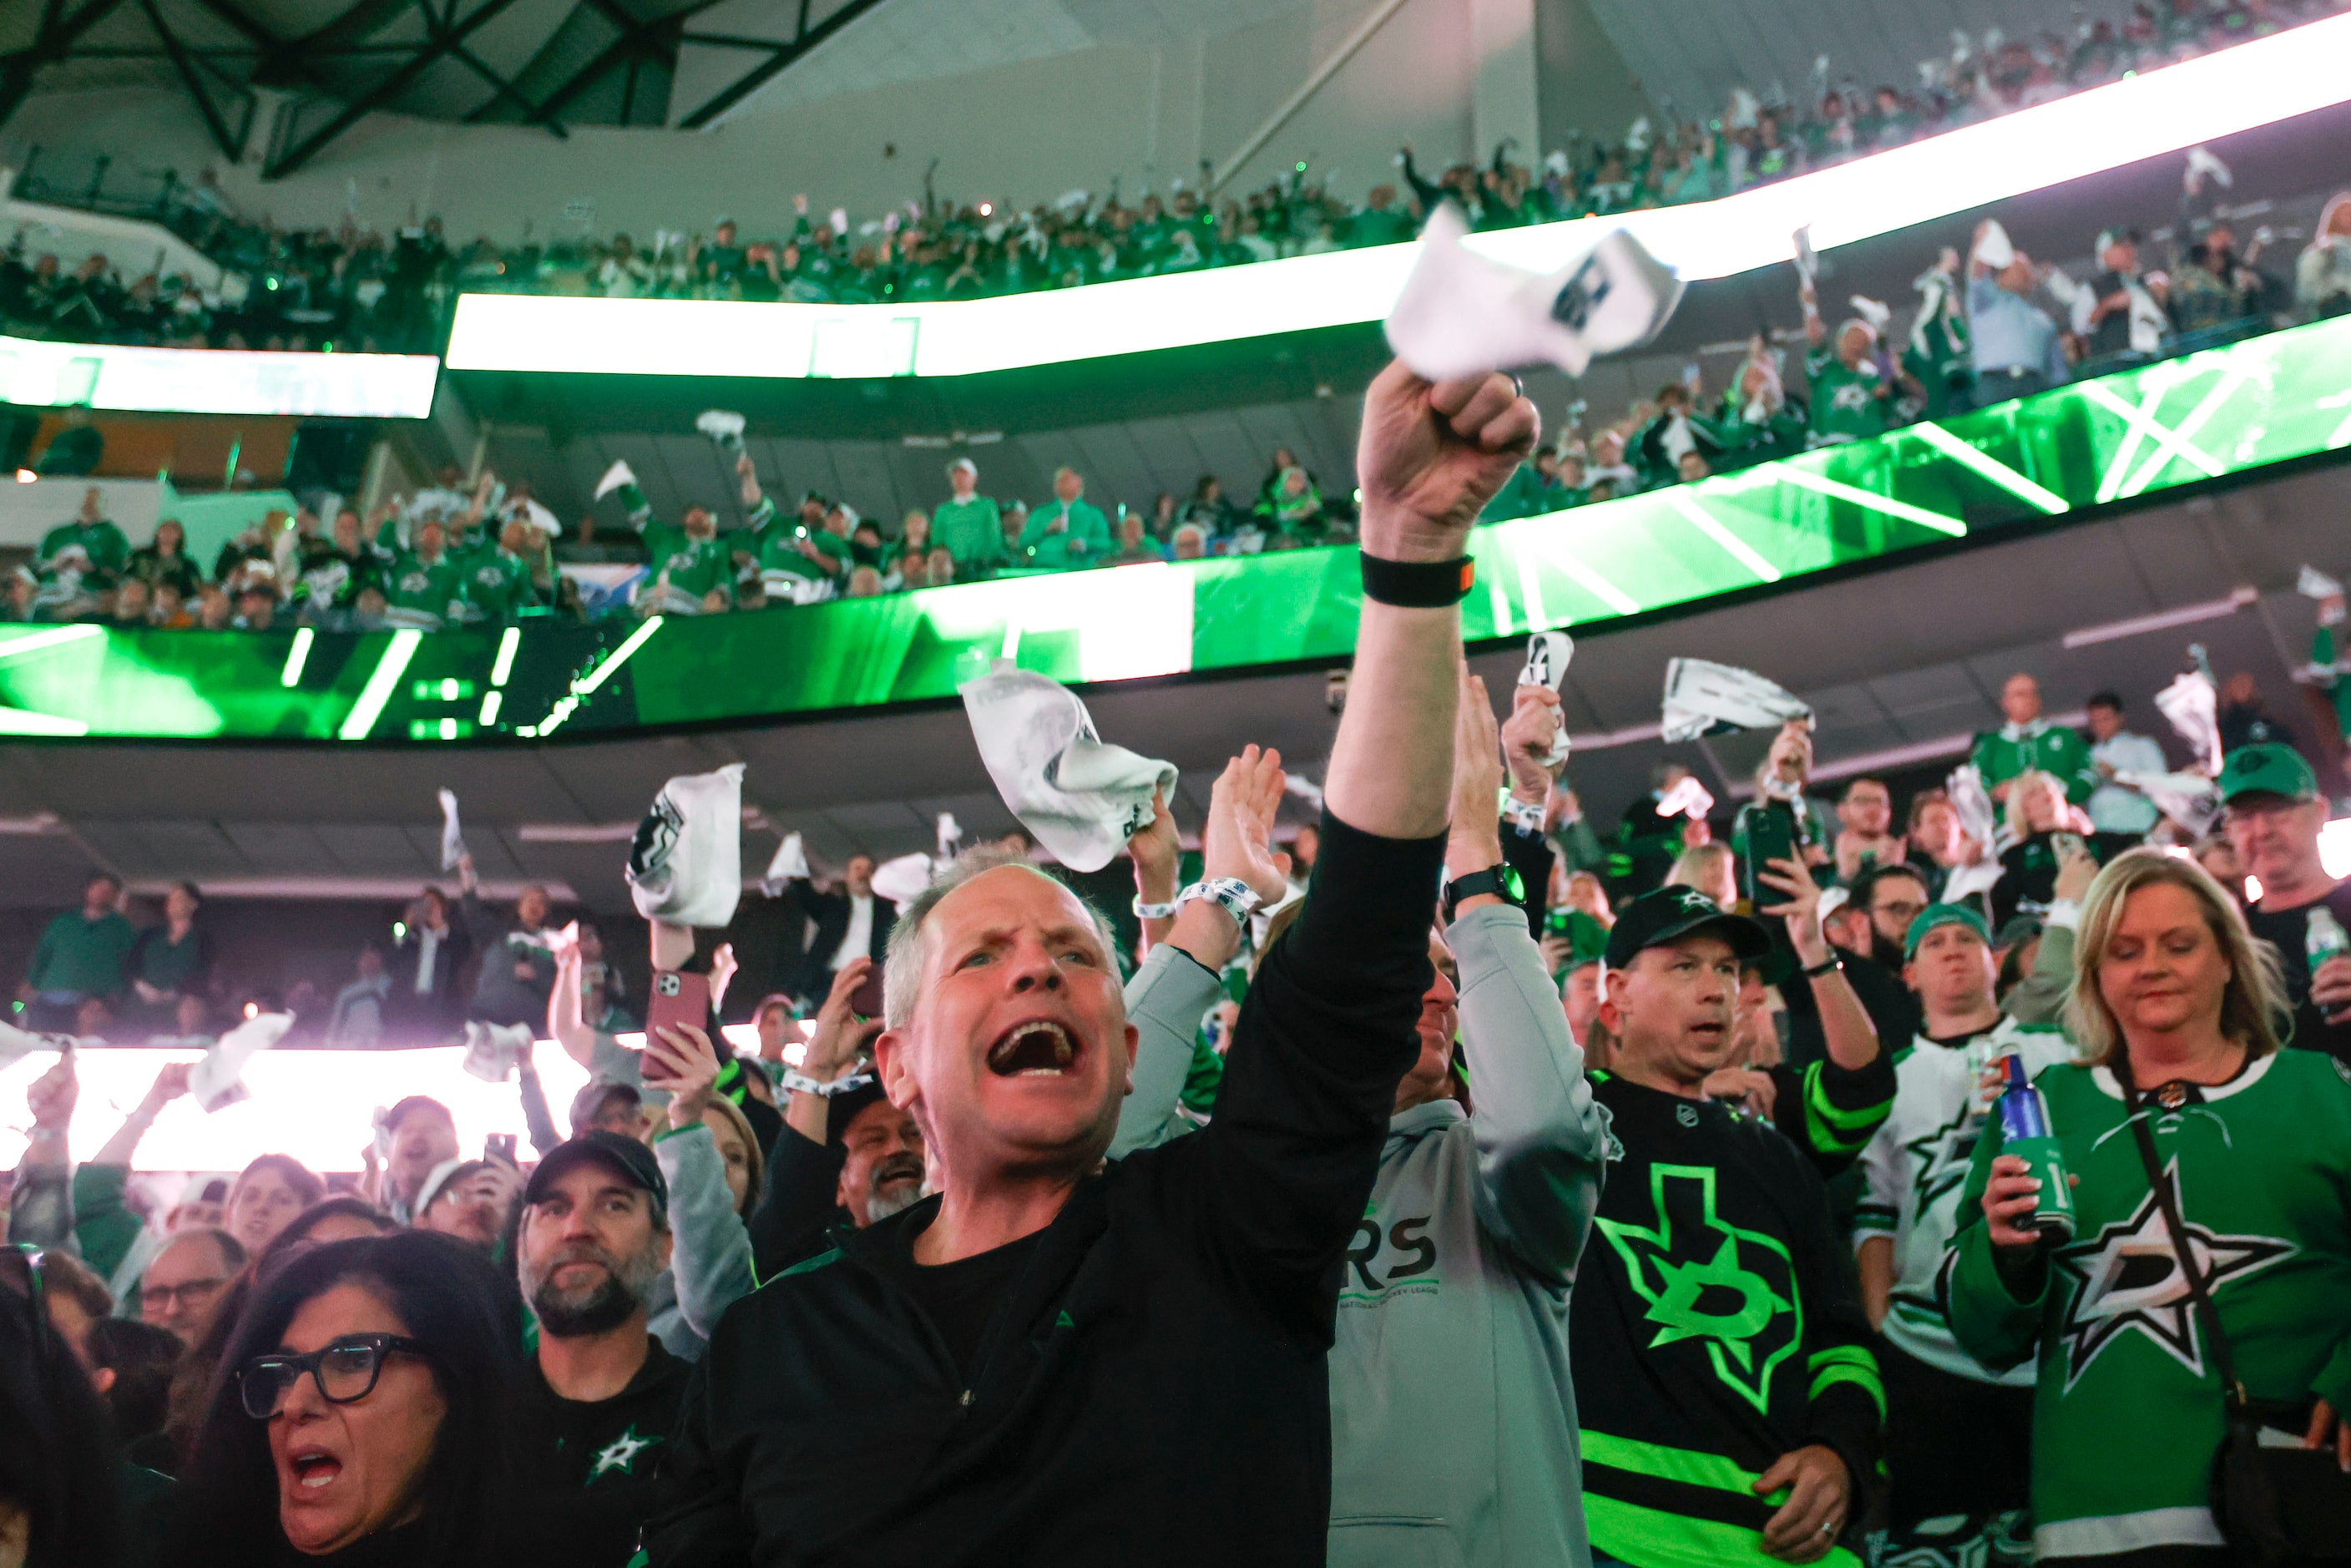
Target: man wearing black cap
{"x": 2272, "y": 809}
{"x": 603, "y": 1395}
{"x": 846, "y": 1156}
{"x": 1729, "y": 1399}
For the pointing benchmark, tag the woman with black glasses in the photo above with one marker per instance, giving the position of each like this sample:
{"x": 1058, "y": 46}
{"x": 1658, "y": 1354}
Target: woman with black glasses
{"x": 361, "y": 1414}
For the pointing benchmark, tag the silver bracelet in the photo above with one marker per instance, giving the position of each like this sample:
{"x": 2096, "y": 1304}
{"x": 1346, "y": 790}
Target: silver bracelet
{"x": 1229, "y": 894}
{"x": 793, "y": 1083}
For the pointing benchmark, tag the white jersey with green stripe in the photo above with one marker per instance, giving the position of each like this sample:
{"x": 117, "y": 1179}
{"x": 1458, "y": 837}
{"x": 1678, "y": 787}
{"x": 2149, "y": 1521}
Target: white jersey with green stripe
{"x": 1913, "y": 1172}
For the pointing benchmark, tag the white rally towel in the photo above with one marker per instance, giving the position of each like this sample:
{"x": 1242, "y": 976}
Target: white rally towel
{"x": 1972, "y": 801}
{"x": 790, "y": 864}
{"x": 1462, "y": 314}
{"x": 16, "y": 1044}
{"x": 901, "y": 880}
{"x": 686, "y": 865}
{"x": 950, "y": 837}
{"x": 1993, "y": 248}
{"x": 2194, "y": 709}
{"x": 1703, "y": 697}
{"x": 452, "y": 842}
{"x": 493, "y": 1048}
{"x": 1687, "y": 798}
{"x": 2189, "y": 799}
{"x": 722, "y": 426}
{"x": 218, "y": 1079}
{"x": 1547, "y": 653}
{"x": 1081, "y": 799}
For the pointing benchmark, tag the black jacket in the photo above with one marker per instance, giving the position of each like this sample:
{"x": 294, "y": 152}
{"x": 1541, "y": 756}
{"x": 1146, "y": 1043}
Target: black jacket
{"x": 1151, "y": 1387}
{"x": 796, "y": 1208}
{"x": 811, "y": 973}
{"x": 433, "y": 1014}
{"x": 592, "y": 1473}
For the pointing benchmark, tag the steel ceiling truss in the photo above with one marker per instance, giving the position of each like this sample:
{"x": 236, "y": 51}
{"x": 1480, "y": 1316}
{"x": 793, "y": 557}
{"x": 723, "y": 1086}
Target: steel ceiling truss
{"x": 640, "y": 57}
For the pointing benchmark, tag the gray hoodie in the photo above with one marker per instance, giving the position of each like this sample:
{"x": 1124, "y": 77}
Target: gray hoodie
{"x": 1452, "y": 1417}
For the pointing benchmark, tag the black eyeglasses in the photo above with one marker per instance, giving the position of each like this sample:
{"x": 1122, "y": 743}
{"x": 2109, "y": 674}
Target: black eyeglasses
{"x": 345, "y": 1372}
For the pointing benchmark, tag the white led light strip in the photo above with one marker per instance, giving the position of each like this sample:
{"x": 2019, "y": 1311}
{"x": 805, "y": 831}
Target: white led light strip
{"x": 2252, "y": 84}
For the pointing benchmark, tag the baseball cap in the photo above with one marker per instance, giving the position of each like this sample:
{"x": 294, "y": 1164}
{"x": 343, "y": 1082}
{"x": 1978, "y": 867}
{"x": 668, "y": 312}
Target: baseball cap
{"x": 843, "y": 1109}
{"x": 442, "y": 1177}
{"x": 631, "y": 1160}
{"x": 1669, "y": 913}
{"x": 2267, "y": 767}
{"x": 417, "y": 1104}
{"x": 2111, "y": 237}
{"x": 1939, "y": 914}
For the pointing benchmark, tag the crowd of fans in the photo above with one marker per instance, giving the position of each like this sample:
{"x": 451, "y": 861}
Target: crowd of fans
{"x": 359, "y": 288}
{"x": 1992, "y": 326}
{"x": 1294, "y": 1230}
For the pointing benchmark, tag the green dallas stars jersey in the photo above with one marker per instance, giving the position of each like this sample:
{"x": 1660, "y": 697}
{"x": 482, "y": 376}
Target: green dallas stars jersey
{"x": 2127, "y": 1416}
{"x": 1713, "y": 1328}
{"x": 2002, "y": 754}
{"x": 1847, "y": 404}
{"x": 1913, "y": 1170}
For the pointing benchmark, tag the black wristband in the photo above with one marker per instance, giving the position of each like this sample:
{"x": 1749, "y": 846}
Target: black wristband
{"x": 1417, "y": 584}
{"x": 1824, "y": 967}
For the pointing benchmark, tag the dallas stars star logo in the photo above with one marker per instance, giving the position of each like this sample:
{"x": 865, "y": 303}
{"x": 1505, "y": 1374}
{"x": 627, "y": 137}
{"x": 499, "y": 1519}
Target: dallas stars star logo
{"x": 619, "y": 1454}
{"x": 2127, "y": 1278}
{"x": 1942, "y": 1157}
{"x": 1734, "y": 1290}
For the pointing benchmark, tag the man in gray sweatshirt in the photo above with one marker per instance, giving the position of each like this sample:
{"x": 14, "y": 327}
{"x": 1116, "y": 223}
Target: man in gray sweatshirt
{"x": 1452, "y": 1419}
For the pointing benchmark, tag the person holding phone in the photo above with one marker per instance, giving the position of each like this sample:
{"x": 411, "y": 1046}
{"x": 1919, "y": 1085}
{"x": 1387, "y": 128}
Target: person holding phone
{"x": 712, "y": 1161}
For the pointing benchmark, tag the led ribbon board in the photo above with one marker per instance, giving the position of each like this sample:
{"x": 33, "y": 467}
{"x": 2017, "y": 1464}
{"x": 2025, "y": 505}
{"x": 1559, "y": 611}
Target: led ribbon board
{"x": 2238, "y": 89}
{"x": 215, "y": 381}
{"x": 2270, "y": 399}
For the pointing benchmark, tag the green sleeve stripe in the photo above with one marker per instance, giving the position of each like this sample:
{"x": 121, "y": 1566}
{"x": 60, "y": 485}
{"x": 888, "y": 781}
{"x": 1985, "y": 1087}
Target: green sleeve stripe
{"x": 1816, "y": 1097}
{"x": 1685, "y": 1465}
{"x": 1841, "y": 1372}
{"x": 1850, "y": 1354}
{"x": 1655, "y": 1539}
{"x": 810, "y": 1265}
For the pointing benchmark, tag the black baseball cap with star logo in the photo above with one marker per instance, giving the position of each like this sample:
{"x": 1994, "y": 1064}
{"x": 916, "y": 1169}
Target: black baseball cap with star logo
{"x": 627, "y": 1158}
{"x": 1669, "y": 913}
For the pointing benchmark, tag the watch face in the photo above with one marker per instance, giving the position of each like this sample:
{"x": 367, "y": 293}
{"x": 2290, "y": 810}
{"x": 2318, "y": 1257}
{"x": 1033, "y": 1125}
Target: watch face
{"x": 1514, "y": 886}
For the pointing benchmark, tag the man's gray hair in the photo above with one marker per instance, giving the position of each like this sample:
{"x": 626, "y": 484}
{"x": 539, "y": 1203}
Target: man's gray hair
{"x": 901, "y": 964}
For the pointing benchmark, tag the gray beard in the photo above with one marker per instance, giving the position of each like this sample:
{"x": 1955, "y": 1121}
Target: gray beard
{"x": 881, "y": 1205}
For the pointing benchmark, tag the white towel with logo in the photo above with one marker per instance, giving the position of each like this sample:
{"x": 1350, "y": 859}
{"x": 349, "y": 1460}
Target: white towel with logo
{"x": 218, "y": 1079}
{"x": 1083, "y": 799}
{"x": 492, "y": 1050}
{"x": 2194, "y": 709}
{"x": 1547, "y": 653}
{"x": 453, "y": 840}
{"x": 1703, "y": 697}
{"x": 790, "y": 864}
{"x": 686, "y": 865}
{"x": 1463, "y": 314}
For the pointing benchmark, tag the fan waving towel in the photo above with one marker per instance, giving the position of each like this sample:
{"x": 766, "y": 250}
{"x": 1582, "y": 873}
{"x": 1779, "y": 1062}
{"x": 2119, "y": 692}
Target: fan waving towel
{"x": 1547, "y": 653}
{"x": 1083, "y": 800}
{"x": 218, "y": 1079}
{"x": 1706, "y": 698}
{"x": 1462, "y": 314}
{"x": 493, "y": 1048}
{"x": 2194, "y": 707}
{"x": 686, "y": 865}
{"x": 452, "y": 842}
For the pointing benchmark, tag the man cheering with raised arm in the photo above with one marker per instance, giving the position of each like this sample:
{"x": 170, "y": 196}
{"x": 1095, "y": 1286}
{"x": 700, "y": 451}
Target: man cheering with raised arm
{"x": 1056, "y": 1361}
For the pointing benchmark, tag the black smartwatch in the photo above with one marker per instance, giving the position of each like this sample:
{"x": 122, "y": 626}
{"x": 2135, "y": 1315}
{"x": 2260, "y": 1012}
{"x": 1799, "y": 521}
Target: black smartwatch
{"x": 1501, "y": 881}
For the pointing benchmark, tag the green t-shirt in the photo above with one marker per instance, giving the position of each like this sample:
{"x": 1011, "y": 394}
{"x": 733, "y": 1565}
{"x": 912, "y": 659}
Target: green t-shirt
{"x": 430, "y": 587}
{"x": 78, "y": 954}
{"x": 1083, "y": 542}
{"x": 108, "y": 551}
{"x": 496, "y": 584}
{"x": 972, "y": 531}
{"x": 1847, "y": 404}
{"x": 693, "y": 567}
{"x": 780, "y": 551}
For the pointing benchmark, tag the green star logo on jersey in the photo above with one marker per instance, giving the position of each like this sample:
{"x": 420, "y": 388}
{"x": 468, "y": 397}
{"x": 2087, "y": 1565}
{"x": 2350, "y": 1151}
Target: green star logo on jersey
{"x": 619, "y": 1454}
{"x": 1706, "y": 1279}
{"x": 1942, "y": 1157}
{"x": 2126, "y": 1277}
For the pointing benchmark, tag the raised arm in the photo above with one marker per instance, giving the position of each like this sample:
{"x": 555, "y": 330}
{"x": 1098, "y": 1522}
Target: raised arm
{"x": 40, "y": 1209}
{"x": 169, "y": 1086}
{"x": 1179, "y": 981}
{"x": 1541, "y": 1140}
{"x": 1330, "y": 1023}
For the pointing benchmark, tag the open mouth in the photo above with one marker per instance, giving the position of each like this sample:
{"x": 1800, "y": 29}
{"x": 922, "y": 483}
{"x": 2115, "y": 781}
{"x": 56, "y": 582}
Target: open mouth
{"x": 315, "y": 1469}
{"x": 1038, "y": 1048}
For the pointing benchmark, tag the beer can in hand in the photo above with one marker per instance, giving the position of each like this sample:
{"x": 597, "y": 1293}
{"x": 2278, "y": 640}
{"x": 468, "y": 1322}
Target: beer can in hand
{"x": 2025, "y": 1133}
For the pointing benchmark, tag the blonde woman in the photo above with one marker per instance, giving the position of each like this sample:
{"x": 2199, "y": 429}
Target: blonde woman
{"x": 2175, "y": 1013}
{"x": 2037, "y": 812}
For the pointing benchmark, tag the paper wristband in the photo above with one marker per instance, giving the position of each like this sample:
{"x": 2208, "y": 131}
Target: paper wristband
{"x": 801, "y": 1083}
